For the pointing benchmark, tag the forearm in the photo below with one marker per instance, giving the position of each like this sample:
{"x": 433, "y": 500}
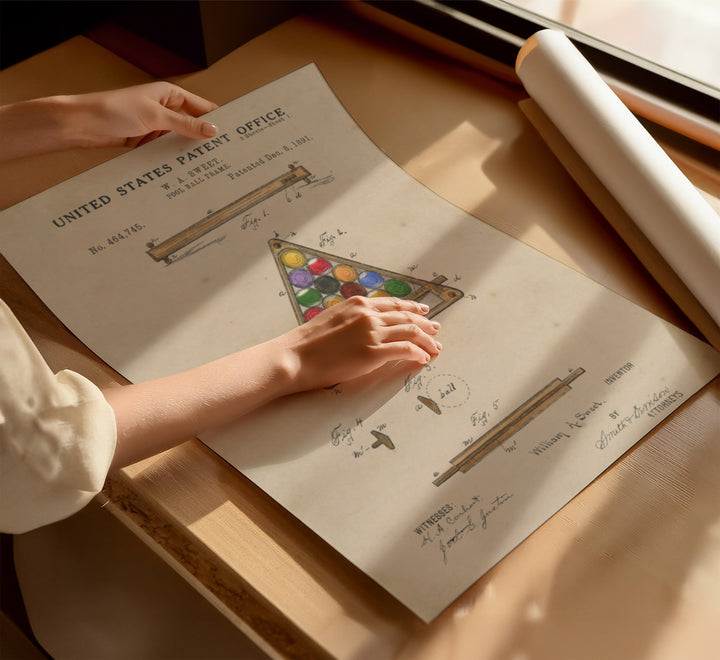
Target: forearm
{"x": 39, "y": 126}
{"x": 159, "y": 414}
{"x": 347, "y": 341}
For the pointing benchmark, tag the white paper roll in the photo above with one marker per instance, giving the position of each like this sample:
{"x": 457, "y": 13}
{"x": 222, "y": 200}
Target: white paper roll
{"x": 664, "y": 205}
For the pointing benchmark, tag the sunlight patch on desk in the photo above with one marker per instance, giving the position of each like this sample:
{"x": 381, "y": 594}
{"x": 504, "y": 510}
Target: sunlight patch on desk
{"x": 445, "y": 164}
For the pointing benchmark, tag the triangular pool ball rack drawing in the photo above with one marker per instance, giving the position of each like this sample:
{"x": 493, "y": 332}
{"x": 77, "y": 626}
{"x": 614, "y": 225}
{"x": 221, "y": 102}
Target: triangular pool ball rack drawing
{"x": 315, "y": 280}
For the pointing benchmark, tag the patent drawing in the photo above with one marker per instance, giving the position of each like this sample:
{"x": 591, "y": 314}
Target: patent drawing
{"x": 382, "y": 439}
{"x": 506, "y": 428}
{"x": 162, "y": 251}
{"x": 316, "y": 280}
{"x": 430, "y": 403}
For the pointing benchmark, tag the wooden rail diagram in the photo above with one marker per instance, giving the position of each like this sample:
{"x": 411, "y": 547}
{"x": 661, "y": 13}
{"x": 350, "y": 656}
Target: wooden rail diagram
{"x": 163, "y": 250}
{"x": 506, "y": 428}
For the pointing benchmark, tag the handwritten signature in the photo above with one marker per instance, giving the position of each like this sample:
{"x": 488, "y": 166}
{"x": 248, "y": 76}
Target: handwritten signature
{"x": 461, "y": 523}
{"x": 654, "y": 405}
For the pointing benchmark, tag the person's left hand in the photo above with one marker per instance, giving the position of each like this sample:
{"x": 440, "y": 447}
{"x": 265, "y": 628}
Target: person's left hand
{"x": 134, "y": 115}
{"x": 123, "y": 117}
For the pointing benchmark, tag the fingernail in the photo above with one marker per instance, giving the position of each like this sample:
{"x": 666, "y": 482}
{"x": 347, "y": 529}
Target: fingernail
{"x": 439, "y": 345}
{"x": 423, "y": 307}
{"x": 435, "y": 325}
{"x": 208, "y": 129}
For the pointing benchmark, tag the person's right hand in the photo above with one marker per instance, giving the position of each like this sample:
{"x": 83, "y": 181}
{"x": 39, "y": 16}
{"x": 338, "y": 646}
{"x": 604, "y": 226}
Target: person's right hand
{"x": 357, "y": 336}
{"x": 349, "y": 340}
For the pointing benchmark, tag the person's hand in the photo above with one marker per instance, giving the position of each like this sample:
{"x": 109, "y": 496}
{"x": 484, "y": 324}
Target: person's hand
{"x": 122, "y": 117}
{"x": 356, "y": 337}
{"x": 134, "y": 115}
{"x": 349, "y": 340}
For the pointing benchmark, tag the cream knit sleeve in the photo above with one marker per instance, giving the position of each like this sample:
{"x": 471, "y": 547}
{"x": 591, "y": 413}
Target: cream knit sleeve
{"x": 57, "y": 435}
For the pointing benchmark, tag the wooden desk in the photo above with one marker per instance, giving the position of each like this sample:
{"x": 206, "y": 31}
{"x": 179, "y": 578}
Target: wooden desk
{"x": 629, "y": 569}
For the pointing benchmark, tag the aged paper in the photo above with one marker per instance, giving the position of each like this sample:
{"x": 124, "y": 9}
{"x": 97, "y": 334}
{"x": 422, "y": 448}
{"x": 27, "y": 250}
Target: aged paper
{"x": 180, "y": 252}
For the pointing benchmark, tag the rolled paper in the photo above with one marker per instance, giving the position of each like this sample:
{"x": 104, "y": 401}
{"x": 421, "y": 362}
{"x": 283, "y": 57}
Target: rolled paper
{"x": 626, "y": 159}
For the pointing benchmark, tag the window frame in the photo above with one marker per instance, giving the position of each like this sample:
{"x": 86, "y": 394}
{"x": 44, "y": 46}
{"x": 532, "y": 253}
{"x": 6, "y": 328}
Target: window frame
{"x": 495, "y": 29}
